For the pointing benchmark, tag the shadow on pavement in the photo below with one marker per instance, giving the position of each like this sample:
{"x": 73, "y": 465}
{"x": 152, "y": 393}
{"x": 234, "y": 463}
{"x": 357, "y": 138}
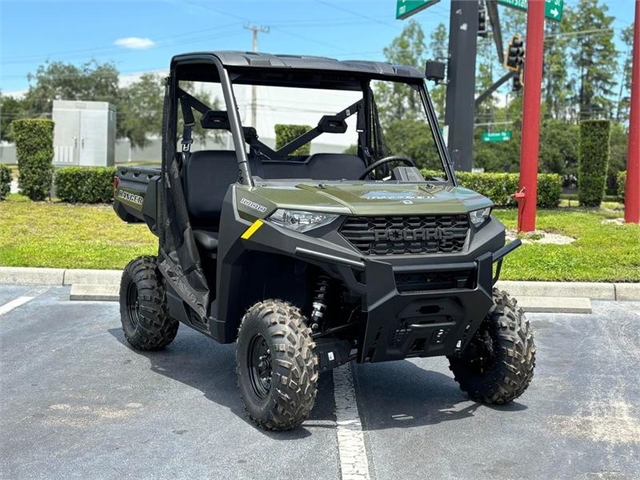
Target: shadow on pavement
{"x": 390, "y": 395}
{"x": 403, "y": 395}
{"x": 200, "y": 362}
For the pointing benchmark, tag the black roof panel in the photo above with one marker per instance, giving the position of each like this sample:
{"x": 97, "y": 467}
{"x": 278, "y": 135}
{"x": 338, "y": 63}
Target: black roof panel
{"x": 248, "y": 60}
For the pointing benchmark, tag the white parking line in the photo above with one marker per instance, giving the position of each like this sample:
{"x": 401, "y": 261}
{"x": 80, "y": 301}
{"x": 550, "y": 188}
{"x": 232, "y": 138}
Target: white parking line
{"x": 351, "y": 449}
{"x": 13, "y": 304}
{"x": 7, "y": 307}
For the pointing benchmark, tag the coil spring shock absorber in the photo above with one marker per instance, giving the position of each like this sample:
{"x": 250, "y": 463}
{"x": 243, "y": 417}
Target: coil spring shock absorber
{"x": 319, "y": 304}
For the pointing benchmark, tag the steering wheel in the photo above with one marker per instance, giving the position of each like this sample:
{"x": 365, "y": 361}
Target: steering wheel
{"x": 391, "y": 158}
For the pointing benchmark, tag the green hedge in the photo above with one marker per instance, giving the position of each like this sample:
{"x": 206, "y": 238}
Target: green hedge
{"x": 549, "y": 190}
{"x": 594, "y": 152}
{"x": 34, "y": 149}
{"x": 85, "y": 184}
{"x": 5, "y": 181}
{"x": 286, "y": 133}
{"x": 500, "y": 187}
{"x": 622, "y": 185}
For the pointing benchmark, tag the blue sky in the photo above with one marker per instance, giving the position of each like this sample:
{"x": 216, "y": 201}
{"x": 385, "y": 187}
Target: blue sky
{"x": 142, "y": 36}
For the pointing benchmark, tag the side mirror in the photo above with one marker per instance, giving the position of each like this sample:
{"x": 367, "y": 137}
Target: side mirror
{"x": 435, "y": 71}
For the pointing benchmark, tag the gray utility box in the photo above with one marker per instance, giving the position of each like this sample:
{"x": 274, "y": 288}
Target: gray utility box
{"x": 84, "y": 134}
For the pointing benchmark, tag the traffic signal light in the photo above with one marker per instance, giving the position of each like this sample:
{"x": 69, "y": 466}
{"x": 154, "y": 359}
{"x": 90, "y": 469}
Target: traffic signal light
{"x": 482, "y": 20}
{"x": 517, "y": 81}
{"x": 515, "y": 54}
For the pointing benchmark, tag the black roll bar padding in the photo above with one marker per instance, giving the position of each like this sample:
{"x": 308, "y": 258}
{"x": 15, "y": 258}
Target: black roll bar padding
{"x": 251, "y": 137}
{"x": 298, "y": 142}
{"x": 215, "y": 120}
{"x": 328, "y": 123}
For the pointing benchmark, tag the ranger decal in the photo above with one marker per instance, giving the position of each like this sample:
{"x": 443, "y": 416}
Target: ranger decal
{"x": 130, "y": 197}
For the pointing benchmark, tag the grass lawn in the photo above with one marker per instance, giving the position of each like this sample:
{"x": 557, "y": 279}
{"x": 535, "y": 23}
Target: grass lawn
{"x": 41, "y": 234}
{"x": 601, "y": 252}
{"x": 84, "y": 236}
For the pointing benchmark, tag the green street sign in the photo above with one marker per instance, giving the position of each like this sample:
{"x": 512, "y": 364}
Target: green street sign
{"x": 406, "y": 8}
{"x": 504, "y": 136}
{"x": 552, "y": 8}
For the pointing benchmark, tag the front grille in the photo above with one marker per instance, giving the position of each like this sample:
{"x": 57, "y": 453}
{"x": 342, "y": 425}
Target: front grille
{"x": 406, "y": 235}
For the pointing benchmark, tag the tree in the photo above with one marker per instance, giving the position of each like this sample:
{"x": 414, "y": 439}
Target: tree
{"x": 559, "y": 147}
{"x": 556, "y": 87}
{"x": 595, "y": 59}
{"x": 497, "y": 157}
{"x": 440, "y": 50}
{"x": 413, "y": 139}
{"x": 90, "y": 81}
{"x": 139, "y": 109}
{"x": 199, "y": 133}
{"x": 484, "y": 79}
{"x": 618, "y": 161}
{"x": 594, "y": 154}
{"x": 514, "y": 22}
{"x": 34, "y": 149}
{"x": 395, "y": 101}
{"x": 10, "y": 109}
{"x": 624, "y": 99}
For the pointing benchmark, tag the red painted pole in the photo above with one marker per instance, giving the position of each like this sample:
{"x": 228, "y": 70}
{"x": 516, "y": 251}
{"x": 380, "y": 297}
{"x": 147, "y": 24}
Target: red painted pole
{"x": 632, "y": 192}
{"x": 531, "y": 115}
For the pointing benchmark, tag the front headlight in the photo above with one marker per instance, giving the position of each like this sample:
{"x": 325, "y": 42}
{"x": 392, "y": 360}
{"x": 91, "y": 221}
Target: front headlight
{"x": 479, "y": 217}
{"x": 300, "y": 221}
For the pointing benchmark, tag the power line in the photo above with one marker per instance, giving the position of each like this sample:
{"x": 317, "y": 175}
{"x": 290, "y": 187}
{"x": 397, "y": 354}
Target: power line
{"x": 309, "y": 39}
{"x": 104, "y": 50}
{"x": 189, "y": 41}
{"x": 358, "y": 14}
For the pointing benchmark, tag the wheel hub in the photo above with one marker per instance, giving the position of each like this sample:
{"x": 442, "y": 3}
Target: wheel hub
{"x": 260, "y": 370}
{"x": 484, "y": 355}
{"x": 133, "y": 302}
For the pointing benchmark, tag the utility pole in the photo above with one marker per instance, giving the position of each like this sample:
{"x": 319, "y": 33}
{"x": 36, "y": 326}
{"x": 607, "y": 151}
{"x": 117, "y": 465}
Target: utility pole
{"x": 632, "y": 192}
{"x": 460, "y": 108}
{"x": 255, "y": 29}
{"x": 530, "y": 145}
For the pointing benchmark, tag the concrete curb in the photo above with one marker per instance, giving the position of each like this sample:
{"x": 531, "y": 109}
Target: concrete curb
{"x": 90, "y": 277}
{"x": 95, "y": 293}
{"x": 110, "y": 293}
{"x": 593, "y": 291}
{"x": 555, "y": 304}
{"x": 32, "y": 276}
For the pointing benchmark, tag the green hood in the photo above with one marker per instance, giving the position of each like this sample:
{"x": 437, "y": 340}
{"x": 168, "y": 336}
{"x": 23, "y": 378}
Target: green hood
{"x": 372, "y": 198}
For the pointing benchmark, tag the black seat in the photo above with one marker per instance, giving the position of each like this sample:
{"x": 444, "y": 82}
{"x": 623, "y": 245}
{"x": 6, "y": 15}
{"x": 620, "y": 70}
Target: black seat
{"x": 320, "y": 166}
{"x": 207, "y": 176}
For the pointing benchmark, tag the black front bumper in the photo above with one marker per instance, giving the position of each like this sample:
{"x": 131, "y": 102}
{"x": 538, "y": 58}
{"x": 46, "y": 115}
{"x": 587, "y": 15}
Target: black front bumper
{"x": 412, "y": 319}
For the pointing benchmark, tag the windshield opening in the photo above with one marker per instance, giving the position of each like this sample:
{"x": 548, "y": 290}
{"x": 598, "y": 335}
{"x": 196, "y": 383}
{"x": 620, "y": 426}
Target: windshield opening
{"x": 325, "y": 134}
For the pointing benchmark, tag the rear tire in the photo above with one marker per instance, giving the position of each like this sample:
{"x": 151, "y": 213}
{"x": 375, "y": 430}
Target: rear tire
{"x": 143, "y": 309}
{"x": 497, "y": 366}
{"x": 277, "y": 365}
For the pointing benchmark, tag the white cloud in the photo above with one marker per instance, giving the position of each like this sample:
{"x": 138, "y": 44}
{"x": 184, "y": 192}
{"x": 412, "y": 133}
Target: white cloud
{"x": 135, "y": 43}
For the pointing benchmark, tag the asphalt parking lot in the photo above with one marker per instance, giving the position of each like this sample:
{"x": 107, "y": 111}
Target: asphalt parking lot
{"x": 76, "y": 402}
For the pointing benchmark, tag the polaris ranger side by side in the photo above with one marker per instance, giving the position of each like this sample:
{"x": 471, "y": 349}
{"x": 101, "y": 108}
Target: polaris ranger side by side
{"x": 310, "y": 258}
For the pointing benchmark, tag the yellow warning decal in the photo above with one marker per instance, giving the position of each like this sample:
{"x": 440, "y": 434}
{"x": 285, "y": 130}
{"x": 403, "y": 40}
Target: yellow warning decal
{"x": 252, "y": 229}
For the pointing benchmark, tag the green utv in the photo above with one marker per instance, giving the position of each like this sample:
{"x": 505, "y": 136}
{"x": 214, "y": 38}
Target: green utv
{"x": 310, "y": 258}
